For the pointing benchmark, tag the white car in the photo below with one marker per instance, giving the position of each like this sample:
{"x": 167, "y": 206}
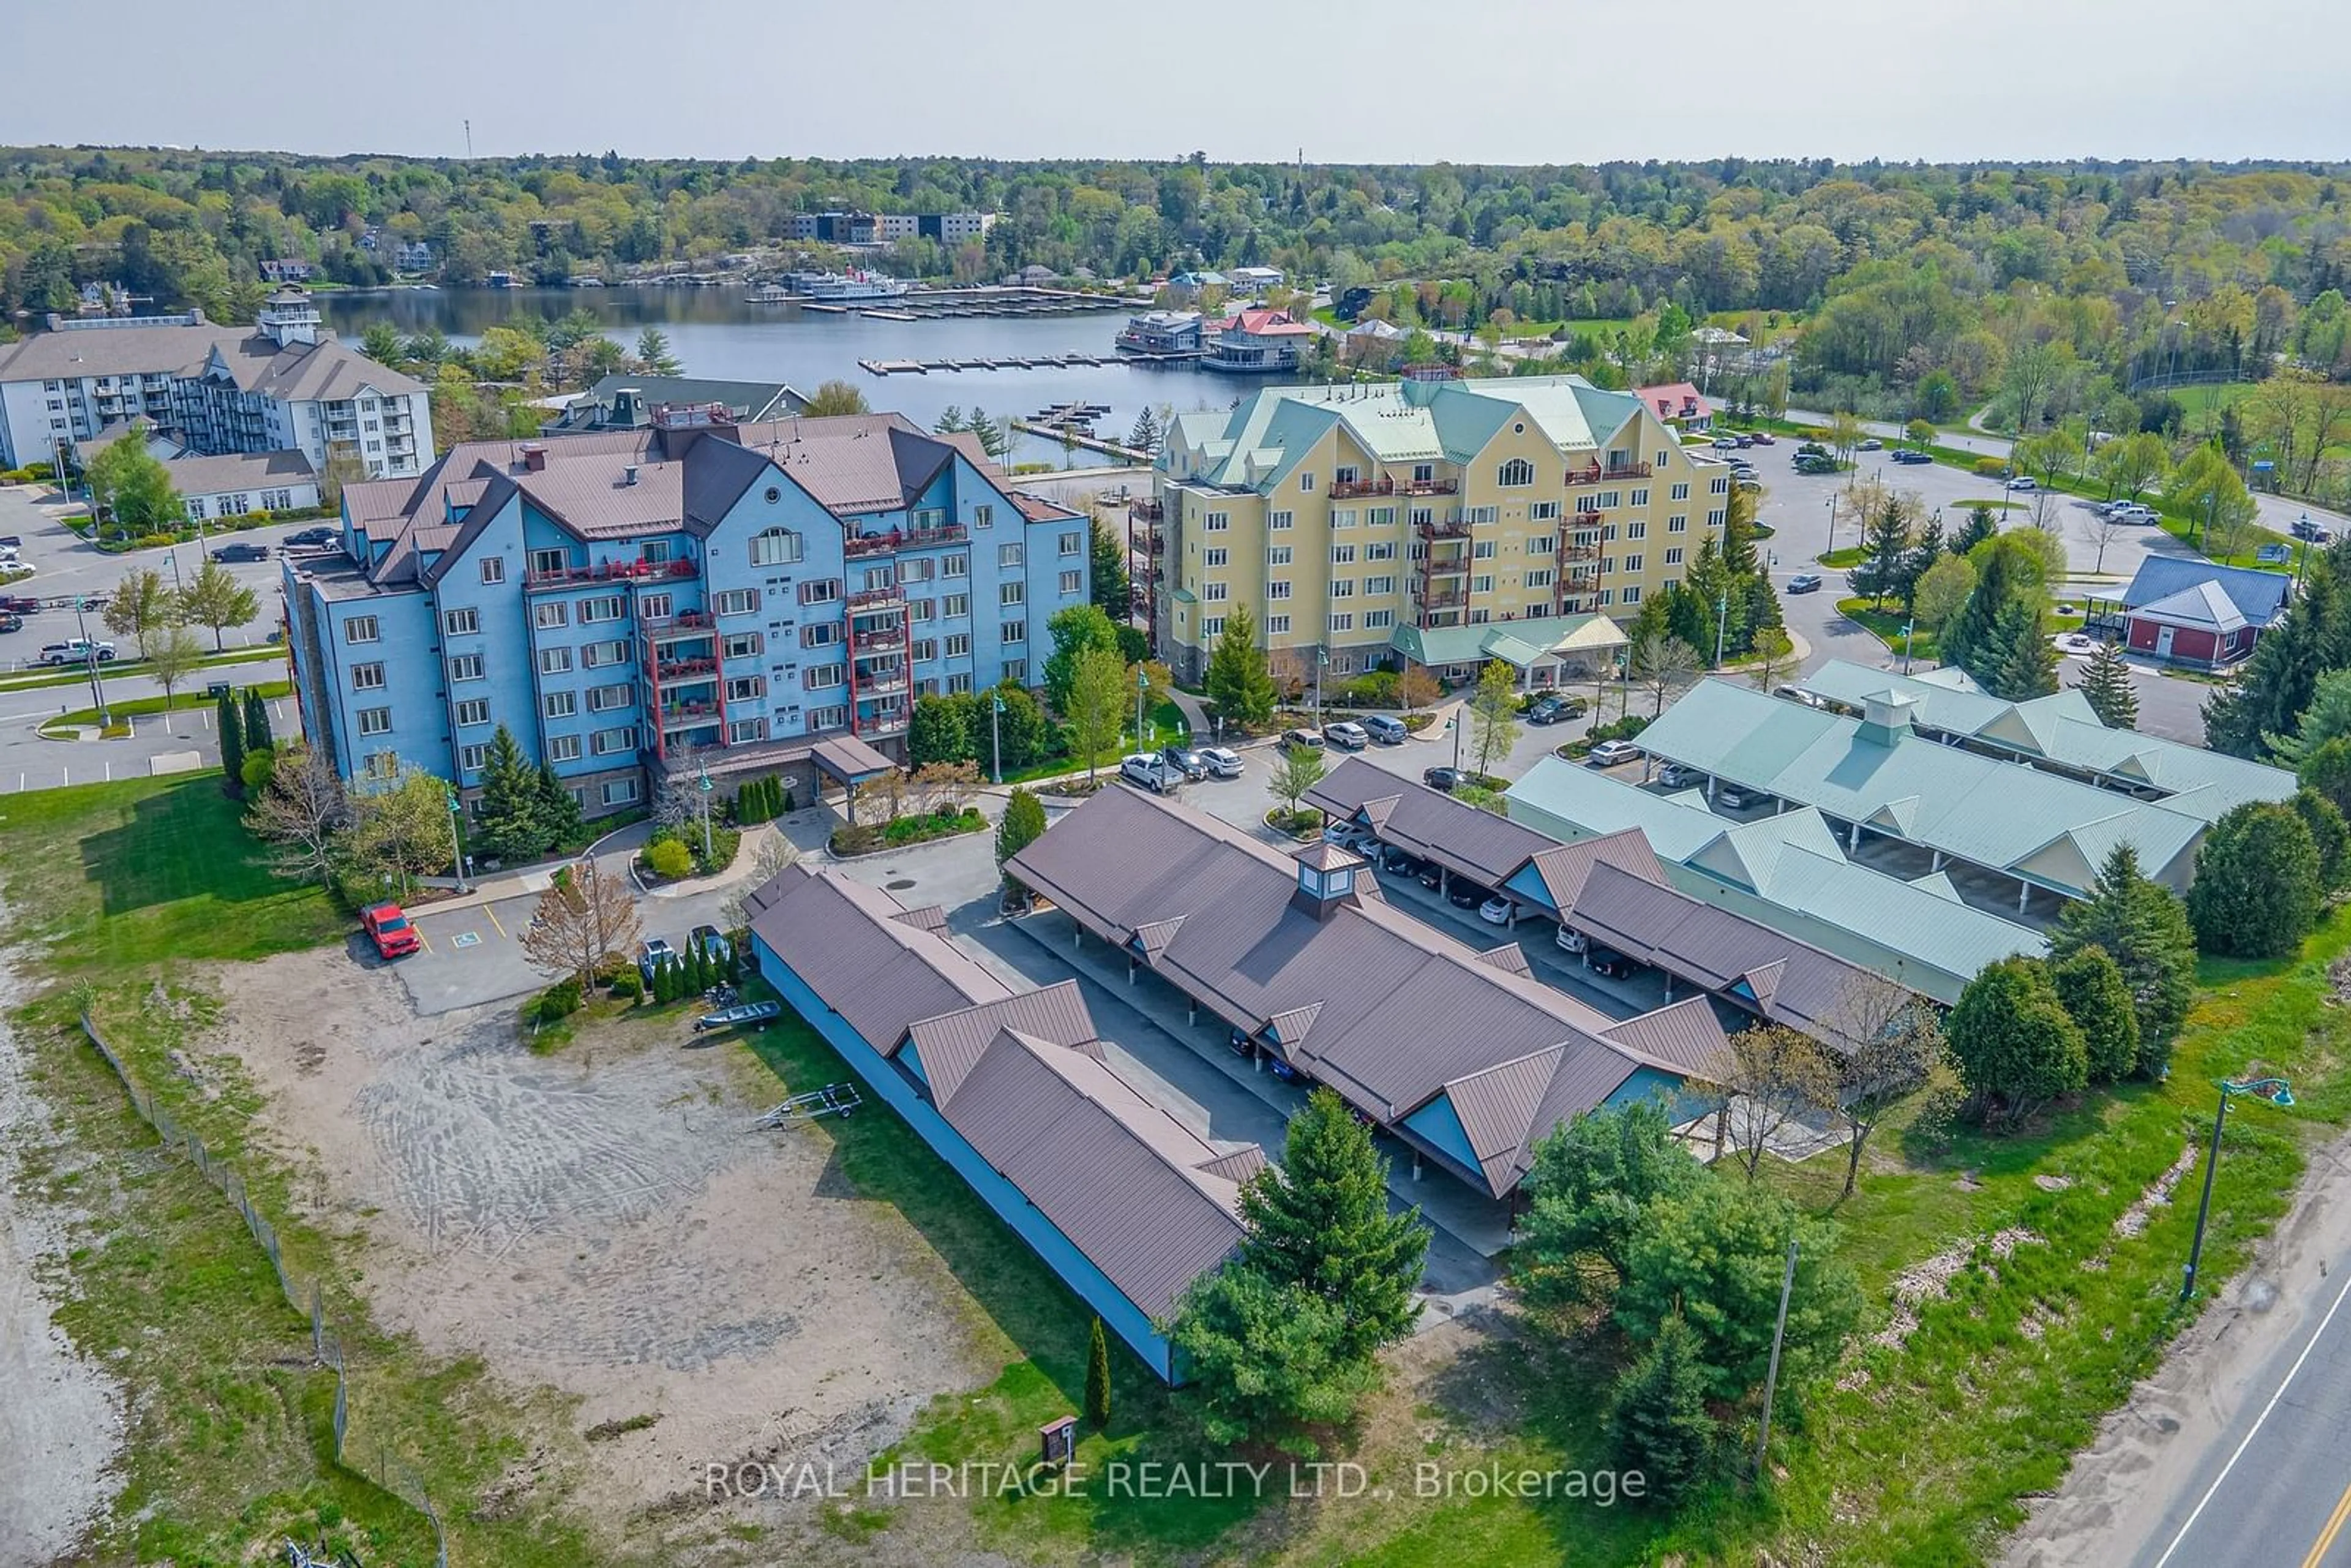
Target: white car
{"x": 1496, "y": 911}
{"x": 1149, "y": 770}
{"x": 1222, "y": 764}
{"x": 1352, "y": 837}
{"x": 1609, "y": 752}
{"x": 1571, "y": 940}
{"x": 2024, "y": 482}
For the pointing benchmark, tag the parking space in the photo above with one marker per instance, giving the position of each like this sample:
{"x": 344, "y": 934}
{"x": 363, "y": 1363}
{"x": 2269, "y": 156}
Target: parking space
{"x": 470, "y": 955}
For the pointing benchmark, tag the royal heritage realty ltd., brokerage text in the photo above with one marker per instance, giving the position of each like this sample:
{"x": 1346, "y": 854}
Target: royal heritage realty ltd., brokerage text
{"x": 1144, "y": 1481}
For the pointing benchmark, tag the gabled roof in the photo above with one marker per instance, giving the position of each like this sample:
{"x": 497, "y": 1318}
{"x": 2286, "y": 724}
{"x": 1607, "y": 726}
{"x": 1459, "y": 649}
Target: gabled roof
{"x": 1520, "y": 643}
{"x": 881, "y": 975}
{"x": 2201, "y": 604}
{"x": 2259, "y": 596}
{"x": 1430, "y": 824}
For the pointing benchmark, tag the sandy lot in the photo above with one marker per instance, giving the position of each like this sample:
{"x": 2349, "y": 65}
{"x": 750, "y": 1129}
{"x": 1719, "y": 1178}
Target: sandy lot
{"x": 604, "y": 1222}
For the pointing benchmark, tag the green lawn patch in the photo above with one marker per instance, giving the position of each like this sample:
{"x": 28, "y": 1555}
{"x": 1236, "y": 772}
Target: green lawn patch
{"x": 181, "y": 702}
{"x": 1885, "y": 625}
{"x": 1845, "y": 558}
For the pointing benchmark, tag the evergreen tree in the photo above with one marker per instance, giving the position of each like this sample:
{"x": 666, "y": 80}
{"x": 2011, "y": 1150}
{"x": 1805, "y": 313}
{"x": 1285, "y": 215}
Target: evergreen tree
{"x": 2327, "y": 770}
{"x": 2105, "y": 684}
{"x": 1098, "y": 1375}
{"x": 1319, "y": 1221}
{"x": 1110, "y": 588}
{"x": 2013, "y": 1042}
{"x": 1889, "y": 540}
{"x": 1023, "y": 825}
{"x": 231, "y": 728}
{"x": 2026, "y": 663}
{"x": 1969, "y": 634}
{"x": 256, "y": 722}
{"x": 509, "y": 820}
{"x": 1981, "y": 524}
{"x": 559, "y": 809}
{"x": 2142, "y": 926}
{"x": 1658, "y": 1419}
{"x": 2091, "y": 989}
{"x": 2328, "y": 833}
{"x": 1238, "y": 680}
{"x": 2257, "y": 891}
{"x": 1593, "y": 1180}
{"x": 2280, "y": 680}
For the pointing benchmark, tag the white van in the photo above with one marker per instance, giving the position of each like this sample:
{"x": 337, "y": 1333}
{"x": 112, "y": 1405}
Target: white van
{"x": 1385, "y": 728}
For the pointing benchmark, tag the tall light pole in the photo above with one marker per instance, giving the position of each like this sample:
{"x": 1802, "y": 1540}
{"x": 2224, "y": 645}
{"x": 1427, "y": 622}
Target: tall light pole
{"x": 1142, "y": 686}
{"x": 1721, "y": 624}
{"x": 703, "y": 773}
{"x": 995, "y": 730}
{"x": 457, "y": 845}
{"x": 1832, "y": 549}
{"x": 1772, "y": 1377}
{"x": 2277, "y": 1092}
{"x": 1907, "y": 628}
{"x": 90, "y": 658}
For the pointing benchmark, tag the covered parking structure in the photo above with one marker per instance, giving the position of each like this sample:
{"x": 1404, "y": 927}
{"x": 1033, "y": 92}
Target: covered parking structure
{"x": 1012, "y": 1089}
{"x": 1462, "y": 1055}
{"x": 1546, "y": 652}
{"x": 1457, "y": 839}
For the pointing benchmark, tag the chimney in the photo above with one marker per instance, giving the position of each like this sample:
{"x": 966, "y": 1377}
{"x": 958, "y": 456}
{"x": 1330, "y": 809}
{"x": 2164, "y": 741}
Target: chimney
{"x": 534, "y": 457}
{"x": 629, "y": 475}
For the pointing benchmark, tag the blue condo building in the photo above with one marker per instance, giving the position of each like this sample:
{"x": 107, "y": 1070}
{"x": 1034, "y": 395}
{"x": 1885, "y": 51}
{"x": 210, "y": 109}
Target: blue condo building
{"x": 692, "y": 593}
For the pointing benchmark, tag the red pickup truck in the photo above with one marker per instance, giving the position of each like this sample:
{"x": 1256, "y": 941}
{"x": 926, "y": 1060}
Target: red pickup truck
{"x": 387, "y": 925}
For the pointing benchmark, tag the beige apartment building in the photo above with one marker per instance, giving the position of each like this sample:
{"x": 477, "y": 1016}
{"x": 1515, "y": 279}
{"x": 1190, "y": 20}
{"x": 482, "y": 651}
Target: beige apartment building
{"x": 1434, "y": 520}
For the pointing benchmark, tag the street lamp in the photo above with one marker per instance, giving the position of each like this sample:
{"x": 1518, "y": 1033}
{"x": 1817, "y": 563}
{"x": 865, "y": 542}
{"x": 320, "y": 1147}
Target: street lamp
{"x": 456, "y": 846}
{"x": 90, "y": 658}
{"x": 1832, "y": 523}
{"x": 995, "y": 730}
{"x": 1907, "y": 628}
{"x": 1141, "y": 687}
{"x": 706, "y": 787}
{"x": 2277, "y": 1092}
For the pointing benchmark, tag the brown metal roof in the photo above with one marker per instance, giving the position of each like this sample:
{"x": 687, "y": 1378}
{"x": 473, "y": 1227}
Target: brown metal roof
{"x": 950, "y": 1044}
{"x": 1429, "y": 822}
{"x": 879, "y": 974}
{"x": 1564, "y": 867}
{"x": 1686, "y": 1037}
{"x": 851, "y": 759}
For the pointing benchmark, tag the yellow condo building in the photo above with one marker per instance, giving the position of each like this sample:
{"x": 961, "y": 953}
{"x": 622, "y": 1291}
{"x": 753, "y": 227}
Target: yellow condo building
{"x": 1435, "y": 521}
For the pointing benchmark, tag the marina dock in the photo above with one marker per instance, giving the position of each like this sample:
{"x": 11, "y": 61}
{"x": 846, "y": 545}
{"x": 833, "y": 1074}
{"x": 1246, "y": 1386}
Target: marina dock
{"x": 1031, "y": 362}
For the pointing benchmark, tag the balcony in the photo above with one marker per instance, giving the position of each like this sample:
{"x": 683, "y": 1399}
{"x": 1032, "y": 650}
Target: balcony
{"x": 1446, "y": 566}
{"x": 877, "y": 598}
{"x": 678, "y": 627}
{"x": 694, "y": 670}
{"x": 675, "y": 715}
{"x": 602, "y": 572}
{"x": 897, "y": 539}
{"x": 1579, "y": 553}
{"x": 892, "y": 722}
{"x": 1436, "y": 530}
{"x": 1597, "y": 475}
{"x": 886, "y": 684}
{"x": 1148, "y": 511}
{"x": 1432, "y": 598}
{"x": 877, "y": 638}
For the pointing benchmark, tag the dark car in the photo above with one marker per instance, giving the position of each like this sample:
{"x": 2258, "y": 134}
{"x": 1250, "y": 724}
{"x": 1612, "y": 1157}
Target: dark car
{"x": 1912, "y": 457}
{"x": 1444, "y": 778}
{"x": 1242, "y": 1045}
{"x": 1556, "y": 710}
{"x": 1192, "y": 763}
{"x": 322, "y": 535}
{"x": 1430, "y": 876}
{"x": 1401, "y": 862}
{"x": 1763, "y": 438}
{"x": 10, "y": 622}
{"x": 1607, "y": 961}
{"x": 241, "y": 552}
{"x": 1804, "y": 582}
{"x": 1466, "y": 894}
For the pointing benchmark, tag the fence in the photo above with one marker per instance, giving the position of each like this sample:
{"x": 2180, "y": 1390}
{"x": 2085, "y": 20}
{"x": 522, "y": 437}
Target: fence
{"x": 309, "y": 1300}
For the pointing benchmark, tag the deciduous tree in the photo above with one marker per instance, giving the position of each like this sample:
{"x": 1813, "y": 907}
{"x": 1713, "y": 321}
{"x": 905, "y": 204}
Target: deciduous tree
{"x": 1096, "y": 703}
{"x": 580, "y": 922}
{"x": 139, "y": 607}
{"x": 1023, "y": 825}
{"x": 302, "y": 812}
{"x": 173, "y": 656}
{"x": 837, "y": 397}
{"x": 1660, "y": 663}
{"x": 1887, "y": 1042}
{"x": 1493, "y": 707}
{"x": 1074, "y": 631}
{"x": 132, "y": 489}
{"x": 216, "y": 599}
{"x": 1768, "y": 1075}
{"x": 1297, "y": 769}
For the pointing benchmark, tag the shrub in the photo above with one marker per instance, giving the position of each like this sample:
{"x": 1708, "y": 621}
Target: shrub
{"x": 856, "y": 839}
{"x": 256, "y": 770}
{"x": 669, "y": 858}
{"x": 2257, "y": 891}
{"x": 626, "y": 987}
{"x": 559, "y": 1001}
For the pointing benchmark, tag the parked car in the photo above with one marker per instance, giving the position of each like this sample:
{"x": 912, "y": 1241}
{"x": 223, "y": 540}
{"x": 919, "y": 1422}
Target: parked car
{"x": 1609, "y": 962}
{"x": 1556, "y": 709}
{"x": 1463, "y": 894}
{"x": 1804, "y": 582}
{"x": 1763, "y": 438}
{"x": 76, "y": 651}
{"x": 1725, "y": 444}
{"x": 1731, "y": 800}
{"x": 1496, "y": 911}
{"x": 2302, "y": 527}
{"x": 1222, "y": 763}
{"x": 1674, "y": 775}
{"x": 324, "y": 534}
{"x": 241, "y": 551}
{"x": 387, "y": 927}
{"x": 1286, "y": 1073}
{"x": 1744, "y": 441}
{"x": 1346, "y": 734}
{"x": 655, "y": 952}
{"x": 1385, "y": 728}
{"x": 1401, "y": 862}
{"x": 1871, "y": 444}
{"x": 1352, "y": 837}
{"x": 1148, "y": 770}
{"x": 1571, "y": 940}
{"x": 18, "y": 603}
{"x": 1242, "y": 1045}
{"x": 1430, "y": 876}
{"x": 11, "y": 622}
{"x": 711, "y": 940}
{"x": 1301, "y": 740}
{"x": 1609, "y": 752}
{"x": 1444, "y": 778}
{"x": 1912, "y": 459}
{"x": 1797, "y": 695}
{"x": 2024, "y": 482}
{"x": 1186, "y": 760}
{"x": 12, "y": 542}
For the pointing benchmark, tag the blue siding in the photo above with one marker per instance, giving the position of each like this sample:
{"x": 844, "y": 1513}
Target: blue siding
{"x": 1439, "y": 1123}
{"x": 1526, "y": 882}
{"x": 1652, "y": 1083}
{"x": 1075, "y": 1269}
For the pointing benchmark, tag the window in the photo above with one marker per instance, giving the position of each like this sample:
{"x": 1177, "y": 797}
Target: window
{"x": 596, "y": 655}
{"x": 493, "y": 568}
{"x": 736, "y": 602}
{"x": 744, "y": 729}
{"x": 1632, "y": 593}
{"x": 1542, "y": 511}
{"x": 818, "y": 676}
{"x": 551, "y": 614}
{"x": 1611, "y": 499}
{"x": 1277, "y": 625}
{"x": 955, "y": 606}
{"x": 1679, "y": 523}
{"x": 983, "y": 517}
{"x": 1306, "y": 483}
{"x": 1008, "y": 594}
{"x": 1641, "y": 496}
{"x": 1481, "y": 514}
{"x": 1516, "y": 472}
{"x": 917, "y": 569}
{"x": 1277, "y": 555}
{"x": 1217, "y": 556}
{"x": 1376, "y": 586}
{"x": 465, "y": 667}
{"x": 554, "y": 661}
{"x": 1604, "y": 598}
{"x": 1016, "y": 670}
{"x": 1482, "y": 550}
{"x": 604, "y": 699}
{"x": 1539, "y": 578}
{"x": 1279, "y": 589}
{"x": 775, "y": 547}
{"x": 1343, "y": 620}
{"x": 656, "y": 552}
{"x": 958, "y": 645}
{"x": 382, "y": 765}
{"x": 1633, "y": 561}
{"x": 1543, "y": 544}
{"x": 1343, "y": 587}
{"x": 744, "y": 688}
{"x": 1073, "y": 582}
{"x": 1012, "y": 633}
{"x": 1483, "y": 583}
{"x": 1342, "y": 554}
{"x": 828, "y": 719}
{"x": 1011, "y": 555}
{"x": 1217, "y": 522}
{"x": 822, "y": 591}
{"x": 560, "y": 705}
{"x": 620, "y": 792}
{"x": 360, "y": 629}
{"x": 1212, "y": 626}
{"x": 473, "y": 711}
{"x": 921, "y": 609}
{"x": 656, "y": 606}
{"x": 1638, "y": 529}
{"x": 956, "y": 565}
{"x": 461, "y": 622}
{"x": 606, "y": 607}
{"x": 1608, "y": 533}
{"x": 1381, "y": 516}
{"x": 1423, "y": 516}
{"x": 1720, "y": 486}
{"x": 1342, "y": 517}
{"x": 959, "y": 682}
{"x": 925, "y": 649}
{"x": 1214, "y": 593}
{"x": 366, "y": 677}
{"x": 1379, "y": 619}
{"x": 473, "y": 758}
{"x": 563, "y": 748}
{"x": 605, "y": 742}
{"x": 741, "y": 646}
{"x": 1345, "y": 473}
{"x": 375, "y": 721}
{"x": 1673, "y": 555}
{"x": 1072, "y": 545}
{"x": 547, "y": 562}
{"x": 1423, "y": 473}
{"x": 1714, "y": 519}
{"x": 1678, "y": 493}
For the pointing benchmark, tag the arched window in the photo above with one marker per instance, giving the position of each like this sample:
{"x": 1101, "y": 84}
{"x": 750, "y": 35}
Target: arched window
{"x": 1517, "y": 471}
{"x": 775, "y": 547}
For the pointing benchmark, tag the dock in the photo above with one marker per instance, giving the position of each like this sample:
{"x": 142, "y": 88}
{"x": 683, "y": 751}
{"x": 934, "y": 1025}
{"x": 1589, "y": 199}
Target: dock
{"x": 1075, "y": 435}
{"x": 1005, "y": 362}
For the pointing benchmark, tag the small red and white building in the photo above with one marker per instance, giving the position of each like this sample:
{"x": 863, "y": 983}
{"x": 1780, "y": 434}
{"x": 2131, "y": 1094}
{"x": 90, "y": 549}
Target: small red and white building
{"x": 1257, "y": 343}
{"x": 1680, "y": 404}
{"x": 2194, "y": 613}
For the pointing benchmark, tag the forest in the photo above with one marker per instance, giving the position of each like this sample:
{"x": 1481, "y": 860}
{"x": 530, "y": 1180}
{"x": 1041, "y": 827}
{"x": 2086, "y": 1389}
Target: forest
{"x": 1905, "y": 291}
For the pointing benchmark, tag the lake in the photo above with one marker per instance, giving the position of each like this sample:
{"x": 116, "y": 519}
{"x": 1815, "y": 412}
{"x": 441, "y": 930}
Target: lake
{"x": 717, "y": 332}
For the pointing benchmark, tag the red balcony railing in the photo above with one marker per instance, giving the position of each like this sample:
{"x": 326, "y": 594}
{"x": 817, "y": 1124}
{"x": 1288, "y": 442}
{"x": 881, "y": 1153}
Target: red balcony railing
{"x": 687, "y": 669}
{"x": 1428, "y": 488}
{"x": 1579, "y": 553}
{"x": 1348, "y": 489}
{"x": 1149, "y": 511}
{"x": 1442, "y": 597}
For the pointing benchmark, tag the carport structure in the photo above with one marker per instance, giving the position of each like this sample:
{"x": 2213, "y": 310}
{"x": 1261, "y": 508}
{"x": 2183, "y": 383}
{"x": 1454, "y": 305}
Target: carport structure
{"x": 851, "y": 761}
{"x": 1458, "y": 839}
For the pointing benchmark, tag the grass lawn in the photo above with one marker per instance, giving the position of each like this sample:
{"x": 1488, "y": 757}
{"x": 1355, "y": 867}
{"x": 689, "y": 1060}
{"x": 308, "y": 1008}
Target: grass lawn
{"x": 1885, "y": 625}
{"x": 115, "y": 877}
{"x": 2210, "y": 397}
{"x": 181, "y": 702}
{"x": 1845, "y": 558}
{"x": 1167, "y": 725}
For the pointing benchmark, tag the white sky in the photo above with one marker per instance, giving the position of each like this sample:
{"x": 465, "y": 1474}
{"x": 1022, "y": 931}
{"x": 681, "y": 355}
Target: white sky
{"x": 1507, "y": 81}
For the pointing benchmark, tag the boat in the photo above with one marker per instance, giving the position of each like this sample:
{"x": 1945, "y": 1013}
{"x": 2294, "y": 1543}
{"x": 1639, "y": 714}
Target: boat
{"x": 586, "y": 283}
{"x": 833, "y": 286}
{"x": 499, "y": 280}
{"x": 768, "y": 294}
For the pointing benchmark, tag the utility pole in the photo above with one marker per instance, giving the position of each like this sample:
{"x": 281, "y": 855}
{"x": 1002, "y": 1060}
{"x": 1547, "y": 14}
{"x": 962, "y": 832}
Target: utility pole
{"x": 90, "y": 659}
{"x": 1772, "y": 1378}
{"x": 1907, "y": 628}
{"x": 469, "y": 141}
